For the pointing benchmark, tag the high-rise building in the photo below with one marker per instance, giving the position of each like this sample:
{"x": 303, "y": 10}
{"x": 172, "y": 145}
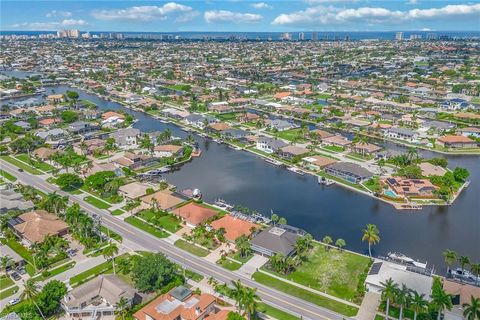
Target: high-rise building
{"x": 86, "y": 35}
{"x": 301, "y": 36}
{"x": 432, "y": 36}
{"x": 314, "y": 36}
{"x": 286, "y": 36}
{"x": 415, "y": 36}
{"x": 399, "y": 36}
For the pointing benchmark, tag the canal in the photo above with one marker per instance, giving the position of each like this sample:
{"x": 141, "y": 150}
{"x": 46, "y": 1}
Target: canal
{"x": 243, "y": 178}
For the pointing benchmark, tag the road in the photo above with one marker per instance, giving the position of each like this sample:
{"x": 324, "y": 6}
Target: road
{"x": 148, "y": 242}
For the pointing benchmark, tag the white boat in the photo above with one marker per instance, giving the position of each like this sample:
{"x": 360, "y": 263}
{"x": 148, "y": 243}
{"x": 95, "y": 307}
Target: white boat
{"x": 273, "y": 161}
{"x": 296, "y": 170}
{"x": 324, "y": 181}
{"x": 399, "y": 257}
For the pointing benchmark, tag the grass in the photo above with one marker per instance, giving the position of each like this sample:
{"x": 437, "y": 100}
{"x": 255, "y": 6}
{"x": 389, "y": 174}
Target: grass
{"x": 193, "y": 249}
{"x": 161, "y": 219}
{"x": 40, "y": 165}
{"x": 117, "y": 212}
{"x": 274, "y": 312}
{"x": 6, "y": 282}
{"x": 236, "y": 256}
{"x": 7, "y": 176}
{"x": 336, "y": 149}
{"x": 21, "y": 250}
{"x": 7, "y": 293}
{"x": 54, "y": 272}
{"x": 229, "y": 264}
{"x": 134, "y": 221}
{"x": 193, "y": 275}
{"x": 113, "y": 235}
{"x": 21, "y": 165}
{"x": 291, "y": 134}
{"x": 227, "y": 116}
{"x": 95, "y": 271}
{"x": 306, "y": 295}
{"x": 331, "y": 271}
{"x": 96, "y": 202}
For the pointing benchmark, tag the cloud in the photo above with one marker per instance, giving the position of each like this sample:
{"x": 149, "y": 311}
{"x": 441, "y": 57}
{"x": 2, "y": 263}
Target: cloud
{"x": 322, "y": 15}
{"x": 261, "y": 5}
{"x": 224, "y": 16}
{"x": 52, "y": 25}
{"x": 56, "y": 13}
{"x": 426, "y": 29}
{"x": 328, "y": 1}
{"x": 412, "y": 1}
{"x": 142, "y": 13}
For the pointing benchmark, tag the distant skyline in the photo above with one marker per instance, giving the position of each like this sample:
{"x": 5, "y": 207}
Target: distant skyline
{"x": 241, "y": 16}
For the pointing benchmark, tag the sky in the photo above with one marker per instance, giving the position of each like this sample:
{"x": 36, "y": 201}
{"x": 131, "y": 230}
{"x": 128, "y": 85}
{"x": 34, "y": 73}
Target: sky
{"x": 241, "y": 15}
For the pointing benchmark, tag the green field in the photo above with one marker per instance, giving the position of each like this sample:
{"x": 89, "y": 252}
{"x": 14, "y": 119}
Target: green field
{"x": 54, "y": 272}
{"x": 332, "y": 271}
{"x": 7, "y": 176}
{"x": 40, "y": 165}
{"x": 275, "y": 313}
{"x": 21, "y": 165}
{"x": 193, "y": 249}
{"x": 161, "y": 219}
{"x": 117, "y": 212}
{"x": 291, "y": 135}
{"x": 335, "y": 149}
{"x": 305, "y": 294}
{"x": 6, "y": 282}
{"x": 231, "y": 116}
{"x": 105, "y": 267}
{"x": 134, "y": 221}
{"x": 229, "y": 264}
{"x": 7, "y": 293}
{"x": 96, "y": 202}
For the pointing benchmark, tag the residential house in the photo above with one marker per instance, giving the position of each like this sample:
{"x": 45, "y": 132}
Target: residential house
{"x": 456, "y": 142}
{"x": 12, "y": 200}
{"x": 234, "y": 227}
{"x": 126, "y": 138}
{"x": 135, "y": 161}
{"x": 88, "y": 147}
{"x": 35, "y": 225}
{"x": 289, "y": 152}
{"x": 410, "y": 187}
{"x": 281, "y": 125}
{"x": 199, "y": 121}
{"x": 365, "y": 148}
{"x": 80, "y": 127}
{"x": 168, "y": 150}
{"x": 164, "y": 200}
{"x": 194, "y": 213}
{"x": 275, "y": 240}
{"x": 470, "y": 132}
{"x": 337, "y": 140}
{"x": 401, "y": 134}
{"x": 317, "y": 162}
{"x": 269, "y": 145}
{"x": 349, "y": 171}
{"x": 134, "y": 190}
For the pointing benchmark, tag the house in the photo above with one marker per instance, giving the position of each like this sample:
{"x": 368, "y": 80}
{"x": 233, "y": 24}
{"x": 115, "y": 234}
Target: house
{"x": 134, "y": 161}
{"x": 219, "y": 126}
{"x": 365, "y": 148}
{"x": 351, "y": 172}
{"x": 126, "y": 138}
{"x": 455, "y": 104}
{"x": 12, "y": 200}
{"x": 289, "y": 152}
{"x": 88, "y": 147}
{"x": 410, "y": 187}
{"x": 180, "y": 304}
{"x": 98, "y": 297}
{"x": 163, "y": 199}
{"x": 23, "y": 124}
{"x": 167, "y": 150}
{"x": 318, "y": 162}
{"x": 321, "y": 134}
{"x": 470, "y": 132}
{"x": 401, "y": 134}
{"x": 199, "y": 121}
{"x": 49, "y": 122}
{"x": 275, "y": 240}
{"x": 17, "y": 260}
{"x": 35, "y": 225}
{"x": 281, "y": 125}
{"x": 337, "y": 140}
{"x": 55, "y": 98}
{"x": 52, "y": 135}
{"x": 134, "y": 190}
{"x": 79, "y": 127}
{"x": 456, "y": 141}
{"x": 111, "y": 114}
{"x": 236, "y": 134}
{"x": 194, "y": 213}
{"x": 44, "y": 153}
{"x": 234, "y": 227}
{"x": 269, "y": 145}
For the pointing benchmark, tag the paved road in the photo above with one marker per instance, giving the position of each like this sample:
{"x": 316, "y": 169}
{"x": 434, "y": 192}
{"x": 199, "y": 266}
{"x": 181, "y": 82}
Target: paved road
{"x": 148, "y": 242}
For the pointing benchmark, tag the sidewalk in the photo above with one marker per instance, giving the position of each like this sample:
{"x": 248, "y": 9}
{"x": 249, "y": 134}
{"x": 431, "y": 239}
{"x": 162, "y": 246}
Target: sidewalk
{"x": 369, "y": 306}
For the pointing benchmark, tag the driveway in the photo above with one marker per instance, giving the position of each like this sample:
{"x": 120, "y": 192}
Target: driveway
{"x": 252, "y": 265}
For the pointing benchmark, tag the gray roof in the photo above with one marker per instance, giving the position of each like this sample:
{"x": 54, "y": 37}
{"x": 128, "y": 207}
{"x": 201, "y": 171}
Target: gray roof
{"x": 272, "y": 142}
{"x": 276, "y": 240}
{"x": 351, "y": 168}
{"x": 11, "y": 316}
{"x": 403, "y": 131}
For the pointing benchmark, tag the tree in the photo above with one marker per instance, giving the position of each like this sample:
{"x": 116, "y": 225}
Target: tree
{"x": 98, "y": 180}
{"x": 340, "y": 243}
{"x": 449, "y": 257}
{"x": 5, "y": 262}
{"x": 460, "y": 174}
{"x": 282, "y": 220}
{"x": 328, "y": 241}
{"x": 243, "y": 246}
{"x": 274, "y": 218}
{"x": 372, "y": 235}
{"x": 389, "y": 292}
{"x": 69, "y": 116}
{"x": 49, "y": 298}
{"x": 471, "y": 311}
{"x": 475, "y": 268}
{"x": 29, "y": 292}
{"x": 418, "y": 304}
{"x": 153, "y": 271}
{"x": 245, "y": 299}
{"x": 402, "y": 298}
{"x": 234, "y": 316}
{"x": 110, "y": 252}
{"x": 122, "y": 308}
{"x": 440, "y": 300}
{"x": 464, "y": 261}
{"x": 54, "y": 203}
{"x": 68, "y": 180}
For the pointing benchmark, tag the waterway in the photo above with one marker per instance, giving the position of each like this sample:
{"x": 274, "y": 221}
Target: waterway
{"x": 243, "y": 178}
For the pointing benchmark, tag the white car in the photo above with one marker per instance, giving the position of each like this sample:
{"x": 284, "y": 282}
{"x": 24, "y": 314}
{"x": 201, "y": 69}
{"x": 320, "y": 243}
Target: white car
{"x": 13, "y": 301}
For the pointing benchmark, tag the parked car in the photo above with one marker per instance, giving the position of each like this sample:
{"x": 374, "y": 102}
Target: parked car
{"x": 71, "y": 252}
{"x": 13, "y": 301}
{"x": 20, "y": 170}
{"x": 21, "y": 270}
{"x": 15, "y": 276}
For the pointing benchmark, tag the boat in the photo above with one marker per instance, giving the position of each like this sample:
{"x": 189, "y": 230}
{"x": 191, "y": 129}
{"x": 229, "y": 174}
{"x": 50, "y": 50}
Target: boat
{"x": 324, "y": 181}
{"x": 401, "y": 258}
{"x": 223, "y": 204}
{"x": 273, "y": 161}
{"x": 407, "y": 206}
{"x": 296, "y": 170}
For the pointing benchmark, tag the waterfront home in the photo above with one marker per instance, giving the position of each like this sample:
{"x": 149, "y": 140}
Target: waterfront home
{"x": 79, "y": 127}
{"x": 126, "y": 138}
{"x": 401, "y": 134}
{"x": 219, "y": 127}
{"x": 429, "y": 169}
{"x": 280, "y": 125}
{"x": 470, "y": 132}
{"x": 289, "y": 152}
{"x": 135, "y": 161}
{"x": 269, "y": 145}
{"x": 168, "y": 150}
{"x": 349, "y": 171}
{"x": 52, "y": 135}
{"x": 98, "y": 298}
{"x": 199, "y": 121}
{"x": 454, "y": 104}
{"x": 249, "y": 117}
{"x": 337, "y": 140}
{"x": 317, "y": 162}
{"x": 181, "y": 304}
{"x": 175, "y": 113}
{"x": 461, "y": 292}
{"x": 321, "y": 134}
{"x": 236, "y": 134}
{"x": 410, "y": 187}
{"x": 55, "y": 98}
{"x": 456, "y": 142}
{"x": 35, "y": 225}
{"x": 134, "y": 190}
{"x": 234, "y": 227}
{"x": 163, "y": 199}
{"x": 365, "y": 148}
{"x": 111, "y": 114}
{"x": 12, "y": 200}
{"x": 194, "y": 214}
{"x": 49, "y": 122}
{"x": 275, "y": 240}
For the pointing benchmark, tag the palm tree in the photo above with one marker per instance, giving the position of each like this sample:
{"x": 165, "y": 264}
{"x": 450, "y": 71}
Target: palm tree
{"x": 402, "y": 298}
{"x": 328, "y": 241}
{"x": 449, "y": 257}
{"x": 440, "y": 301}
{"x": 340, "y": 243}
{"x": 389, "y": 291}
{"x": 5, "y": 262}
{"x": 29, "y": 292}
{"x": 475, "y": 268}
{"x": 122, "y": 307}
{"x": 418, "y": 304}
{"x": 250, "y": 298}
{"x": 372, "y": 236}
{"x": 237, "y": 294}
{"x": 55, "y": 203}
{"x": 110, "y": 252}
{"x": 243, "y": 246}
{"x": 464, "y": 261}
{"x": 471, "y": 311}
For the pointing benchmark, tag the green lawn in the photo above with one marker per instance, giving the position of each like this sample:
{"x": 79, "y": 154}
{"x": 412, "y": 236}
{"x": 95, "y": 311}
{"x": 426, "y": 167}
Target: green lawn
{"x": 163, "y": 220}
{"x": 7, "y": 176}
{"x": 134, "y": 221}
{"x": 96, "y": 202}
{"x": 332, "y": 271}
{"x": 291, "y": 135}
{"x": 229, "y": 264}
{"x": 21, "y": 165}
{"x": 193, "y": 249}
{"x": 227, "y": 116}
{"x": 193, "y": 275}
{"x": 6, "y": 282}
{"x": 333, "y": 148}
{"x": 275, "y": 313}
{"x": 117, "y": 212}
{"x": 7, "y": 293}
{"x": 95, "y": 271}
{"x": 40, "y": 165}
{"x": 305, "y": 294}
{"x": 54, "y": 272}
{"x": 237, "y": 257}
{"x": 112, "y": 234}
{"x": 21, "y": 250}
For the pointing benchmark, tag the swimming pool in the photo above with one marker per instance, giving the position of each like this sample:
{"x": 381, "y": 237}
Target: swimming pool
{"x": 390, "y": 193}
